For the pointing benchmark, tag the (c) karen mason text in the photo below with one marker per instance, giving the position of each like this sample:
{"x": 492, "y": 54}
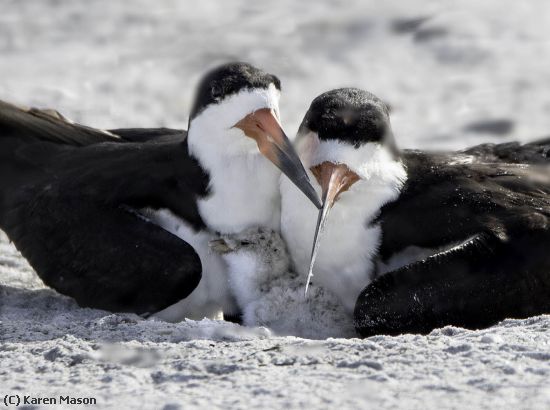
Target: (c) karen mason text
{"x": 23, "y": 399}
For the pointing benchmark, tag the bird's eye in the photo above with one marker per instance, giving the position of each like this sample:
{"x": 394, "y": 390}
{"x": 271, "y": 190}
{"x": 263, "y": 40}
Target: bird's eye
{"x": 216, "y": 91}
{"x": 245, "y": 243}
{"x": 327, "y": 114}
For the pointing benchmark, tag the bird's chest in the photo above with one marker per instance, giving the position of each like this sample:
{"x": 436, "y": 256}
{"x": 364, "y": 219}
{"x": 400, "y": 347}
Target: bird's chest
{"x": 349, "y": 244}
{"x": 244, "y": 193}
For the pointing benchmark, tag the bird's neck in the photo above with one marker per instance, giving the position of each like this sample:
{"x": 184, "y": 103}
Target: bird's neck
{"x": 243, "y": 186}
{"x": 351, "y": 239}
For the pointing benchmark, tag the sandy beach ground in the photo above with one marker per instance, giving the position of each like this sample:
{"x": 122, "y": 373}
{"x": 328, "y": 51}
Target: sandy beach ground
{"x": 454, "y": 73}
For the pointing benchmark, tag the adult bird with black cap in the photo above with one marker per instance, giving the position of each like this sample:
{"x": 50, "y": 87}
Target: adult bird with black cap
{"x": 121, "y": 219}
{"x": 414, "y": 239}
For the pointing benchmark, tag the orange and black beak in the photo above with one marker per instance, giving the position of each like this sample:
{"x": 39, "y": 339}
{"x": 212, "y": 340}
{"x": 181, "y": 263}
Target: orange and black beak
{"x": 334, "y": 179}
{"x": 264, "y": 127}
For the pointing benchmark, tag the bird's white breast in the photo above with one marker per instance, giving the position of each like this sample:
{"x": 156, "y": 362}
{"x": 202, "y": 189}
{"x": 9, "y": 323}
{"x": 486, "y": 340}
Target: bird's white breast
{"x": 244, "y": 185}
{"x": 245, "y": 193}
{"x": 350, "y": 242}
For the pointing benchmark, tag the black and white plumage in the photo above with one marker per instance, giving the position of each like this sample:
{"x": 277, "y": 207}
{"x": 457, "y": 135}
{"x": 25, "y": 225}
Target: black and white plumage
{"x": 121, "y": 220}
{"x": 270, "y": 294}
{"x": 329, "y": 142}
{"x": 487, "y": 225}
{"x": 417, "y": 240}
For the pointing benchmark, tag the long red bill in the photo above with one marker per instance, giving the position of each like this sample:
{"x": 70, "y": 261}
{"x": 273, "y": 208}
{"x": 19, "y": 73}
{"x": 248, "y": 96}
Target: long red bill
{"x": 334, "y": 179}
{"x": 264, "y": 127}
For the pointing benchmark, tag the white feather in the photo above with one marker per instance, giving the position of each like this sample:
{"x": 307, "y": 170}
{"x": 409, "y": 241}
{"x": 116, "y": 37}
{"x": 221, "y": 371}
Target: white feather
{"x": 211, "y": 298}
{"x": 412, "y": 254}
{"x": 245, "y": 276}
{"x": 271, "y": 295}
{"x": 350, "y": 243}
{"x": 244, "y": 182}
{"x": 246, "y": 193}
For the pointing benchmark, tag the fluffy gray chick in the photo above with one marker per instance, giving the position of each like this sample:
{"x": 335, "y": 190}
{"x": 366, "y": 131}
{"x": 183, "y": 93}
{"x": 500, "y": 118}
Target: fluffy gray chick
{"x": 270, "y": 294}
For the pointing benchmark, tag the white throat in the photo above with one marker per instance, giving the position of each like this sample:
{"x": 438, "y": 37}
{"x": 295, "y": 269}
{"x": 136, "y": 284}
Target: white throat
{"x": 350, "y": 242}
{"x": 245, "y": 193}
{"x": 244, "y": 185}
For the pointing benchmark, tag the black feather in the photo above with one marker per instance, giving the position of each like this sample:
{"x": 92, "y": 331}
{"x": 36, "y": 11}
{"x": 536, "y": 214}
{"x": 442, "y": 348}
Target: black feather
{"x": 67, "y": 195}
{"x": 500, "y": 208}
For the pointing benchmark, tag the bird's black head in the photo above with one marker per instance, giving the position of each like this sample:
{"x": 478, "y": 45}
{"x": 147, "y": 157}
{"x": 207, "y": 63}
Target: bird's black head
{"x": 349, "y": 115}
{"x": 346, "y": 141}
{"x": 236, "y": 114}
{"x": 227, "y": 80}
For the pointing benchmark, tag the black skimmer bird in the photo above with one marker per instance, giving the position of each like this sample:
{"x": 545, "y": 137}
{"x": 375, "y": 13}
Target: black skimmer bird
{"x": 90, "y": 209}
{"x": 271, "y": 294}
{"x": 417, "y": 240}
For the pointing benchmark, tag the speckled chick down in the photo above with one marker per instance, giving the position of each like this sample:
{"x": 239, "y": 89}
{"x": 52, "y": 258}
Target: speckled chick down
{"x": 271, "y": 294}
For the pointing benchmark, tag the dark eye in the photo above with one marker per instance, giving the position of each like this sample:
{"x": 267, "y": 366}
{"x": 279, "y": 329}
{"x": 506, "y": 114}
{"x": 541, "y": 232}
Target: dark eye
{"x": 327, "y": 114}
{"x": 245, "y": 243}
{"x": 216, "y": 91}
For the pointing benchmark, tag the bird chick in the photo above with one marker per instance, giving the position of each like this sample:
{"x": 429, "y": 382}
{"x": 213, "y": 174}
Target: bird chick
{"x": 270, "y": 294}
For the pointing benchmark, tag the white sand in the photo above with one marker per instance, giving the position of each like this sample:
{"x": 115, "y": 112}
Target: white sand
{"x": 116, "y": 63}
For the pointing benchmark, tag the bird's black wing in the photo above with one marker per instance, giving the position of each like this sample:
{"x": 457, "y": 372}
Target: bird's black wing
{"x": 50, "y": 125}
{"x": 494, "y": 217}
{"x": 536, "y": 152}
{"x": 47, "y": 125}
{"x": 148, "y": 134}
{"x": 69, "y": 202}
{"x": 475, "y": 285}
